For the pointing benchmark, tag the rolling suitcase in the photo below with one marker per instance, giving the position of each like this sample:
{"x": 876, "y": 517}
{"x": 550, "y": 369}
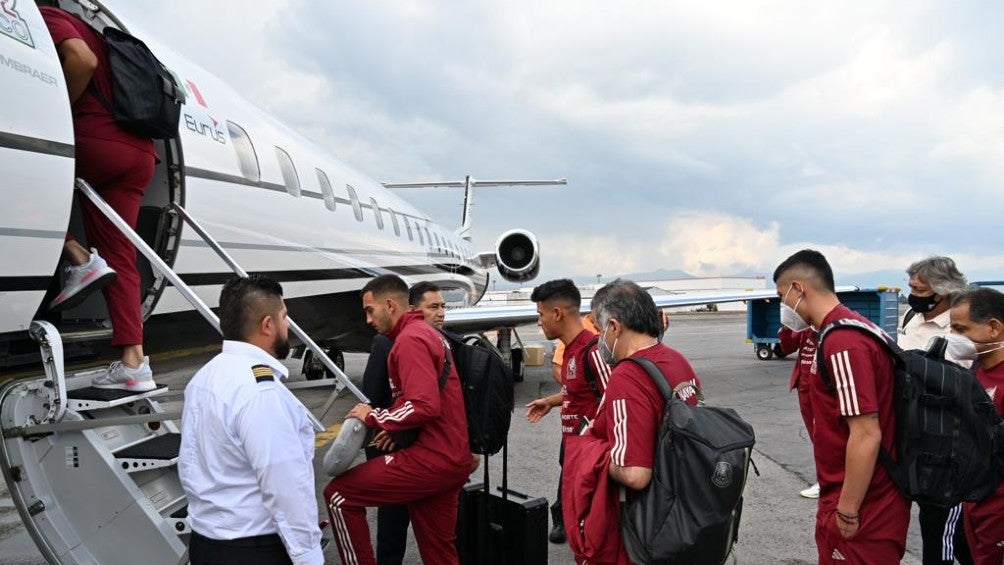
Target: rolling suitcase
{"x": 510, "y": 528}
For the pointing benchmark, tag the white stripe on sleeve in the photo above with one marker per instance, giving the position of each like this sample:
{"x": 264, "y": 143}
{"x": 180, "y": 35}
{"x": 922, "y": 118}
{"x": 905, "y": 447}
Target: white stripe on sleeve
{"x": 620, "y": 432}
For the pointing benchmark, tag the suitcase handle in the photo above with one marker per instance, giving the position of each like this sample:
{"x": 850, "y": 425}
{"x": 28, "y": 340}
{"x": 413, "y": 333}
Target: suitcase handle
{"x": 515, "y": 493}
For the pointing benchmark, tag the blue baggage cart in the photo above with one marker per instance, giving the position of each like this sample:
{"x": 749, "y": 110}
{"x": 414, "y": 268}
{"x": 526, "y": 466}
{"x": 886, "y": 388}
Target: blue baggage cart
{"x": 763, "y": 317}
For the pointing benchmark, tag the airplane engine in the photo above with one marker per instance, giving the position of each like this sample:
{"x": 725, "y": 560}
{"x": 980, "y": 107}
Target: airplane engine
{"x": 517, "y": 255}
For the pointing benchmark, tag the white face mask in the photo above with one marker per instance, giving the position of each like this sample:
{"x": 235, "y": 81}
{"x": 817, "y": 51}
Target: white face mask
{"x": 607, "y": 353}
{"x": 789, "y": 317}
{"x": 962, "y": 348}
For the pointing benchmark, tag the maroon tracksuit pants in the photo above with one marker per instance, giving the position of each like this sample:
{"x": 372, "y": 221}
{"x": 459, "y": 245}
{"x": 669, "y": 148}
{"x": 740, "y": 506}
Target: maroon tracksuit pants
{"x": 413, "y": 477}
{"x": 119, "y": 173}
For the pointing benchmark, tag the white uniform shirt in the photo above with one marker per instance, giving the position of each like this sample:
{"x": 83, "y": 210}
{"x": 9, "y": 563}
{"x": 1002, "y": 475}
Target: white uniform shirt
{"x": 918, "y": 332}
{"x": 247, "y": 450}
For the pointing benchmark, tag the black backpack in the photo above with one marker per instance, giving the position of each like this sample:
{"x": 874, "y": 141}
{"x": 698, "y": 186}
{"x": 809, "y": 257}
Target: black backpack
{"x": 689, "y": 513}
{"x": 146, "y": 100}
{"x": 946, "y": 425}
{"x": 489, "y": 398}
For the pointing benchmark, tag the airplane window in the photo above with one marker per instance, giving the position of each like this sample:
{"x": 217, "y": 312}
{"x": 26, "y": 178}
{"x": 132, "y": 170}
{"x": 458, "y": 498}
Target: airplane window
{"x": 247, "y": 159}
{"x": 329, "y": 195}
{"x": 357, "y": 208}
{"x": 393, "y": 220}
{"x": 407, "y": 225}
{"x": 376, "y": 212}
{"x": 289, "y": 176}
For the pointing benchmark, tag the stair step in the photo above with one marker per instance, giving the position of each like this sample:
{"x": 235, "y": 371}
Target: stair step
{"x": 85, "y": 335}
{"x": 91, "y": 398}
{"x": 158, "y": 451}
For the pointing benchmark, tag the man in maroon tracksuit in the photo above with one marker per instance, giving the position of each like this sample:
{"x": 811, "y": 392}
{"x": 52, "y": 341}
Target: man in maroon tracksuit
{"x": 118, "y": 165}
{"x": 427, "y": 474}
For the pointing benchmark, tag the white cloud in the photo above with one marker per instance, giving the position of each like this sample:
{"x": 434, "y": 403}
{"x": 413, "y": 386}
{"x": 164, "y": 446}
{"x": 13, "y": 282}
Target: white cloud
{"x": 711, "y": 137}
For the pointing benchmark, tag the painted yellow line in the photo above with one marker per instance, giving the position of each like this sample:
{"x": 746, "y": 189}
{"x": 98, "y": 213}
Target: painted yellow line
{"x": 327, "y": 435}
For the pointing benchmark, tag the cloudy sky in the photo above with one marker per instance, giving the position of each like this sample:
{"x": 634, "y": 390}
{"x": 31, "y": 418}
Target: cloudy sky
{"x": 712, "y": 137}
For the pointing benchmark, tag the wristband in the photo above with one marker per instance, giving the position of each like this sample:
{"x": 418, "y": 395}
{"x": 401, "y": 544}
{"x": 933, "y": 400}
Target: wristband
{"x": 848, "y": 518}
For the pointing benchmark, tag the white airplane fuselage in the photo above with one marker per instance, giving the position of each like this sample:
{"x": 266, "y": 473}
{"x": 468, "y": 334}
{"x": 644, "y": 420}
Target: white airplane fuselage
{"x": 279, "y": 204}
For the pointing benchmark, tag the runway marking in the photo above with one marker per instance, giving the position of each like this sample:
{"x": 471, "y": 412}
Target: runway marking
{"x": 327, "y": 435}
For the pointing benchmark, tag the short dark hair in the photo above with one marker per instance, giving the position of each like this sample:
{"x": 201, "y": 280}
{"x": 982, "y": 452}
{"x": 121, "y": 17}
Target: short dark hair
{"x": 418, "y": 290}
{"x": 631, "y": 304}
{"x": 244, "y": 301}
{"x": 984, "y": 304}
{"x": 386, "y": 284}
{"x": 558, "y": 289}
{"x": 812, "y": 260}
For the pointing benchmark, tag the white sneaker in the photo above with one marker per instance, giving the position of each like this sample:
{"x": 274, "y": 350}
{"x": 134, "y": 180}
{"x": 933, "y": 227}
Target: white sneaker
{"x": 82, "y": 280}
{"x": 811, "y": 492}
{"x": 122, "y": 377}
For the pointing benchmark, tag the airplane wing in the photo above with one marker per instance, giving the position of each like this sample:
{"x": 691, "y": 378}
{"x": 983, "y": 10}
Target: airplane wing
{"x": 484, "y": 318}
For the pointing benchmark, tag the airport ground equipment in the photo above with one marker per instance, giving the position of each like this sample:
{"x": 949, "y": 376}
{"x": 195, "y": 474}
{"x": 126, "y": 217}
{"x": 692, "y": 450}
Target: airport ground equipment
{"x": 763, "y": 316}
{"x": 93, "y": 472}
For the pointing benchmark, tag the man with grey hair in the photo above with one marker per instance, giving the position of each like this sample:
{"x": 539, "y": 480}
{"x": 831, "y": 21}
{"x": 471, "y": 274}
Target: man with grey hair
{"x": 934, "y": 283}
{"x": 630, "y": 325}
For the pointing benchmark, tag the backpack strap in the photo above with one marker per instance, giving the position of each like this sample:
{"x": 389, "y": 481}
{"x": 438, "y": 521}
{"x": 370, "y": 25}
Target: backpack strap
{"x": 907, "y": 317}
{"x": 588, "y": 367}
{"x": 867, "y": 329}
{"x": 446, "y": 365}
{"x": 901, "y": 477}
{"x": 660, "y": 380}
{"x": 93, "y": 91}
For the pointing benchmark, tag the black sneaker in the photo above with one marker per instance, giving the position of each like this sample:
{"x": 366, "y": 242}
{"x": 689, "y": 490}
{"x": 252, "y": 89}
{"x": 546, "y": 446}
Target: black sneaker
{"x": 557, "y": 534}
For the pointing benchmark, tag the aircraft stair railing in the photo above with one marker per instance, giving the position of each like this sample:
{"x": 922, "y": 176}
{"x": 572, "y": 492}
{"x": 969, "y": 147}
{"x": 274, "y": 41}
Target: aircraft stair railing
{"x": 340, "y": 376}
{"x": 157, "y": 263}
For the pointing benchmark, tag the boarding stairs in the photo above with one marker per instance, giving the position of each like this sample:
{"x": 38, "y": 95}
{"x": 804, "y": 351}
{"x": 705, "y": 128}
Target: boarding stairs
{"x": 92, "y": 471}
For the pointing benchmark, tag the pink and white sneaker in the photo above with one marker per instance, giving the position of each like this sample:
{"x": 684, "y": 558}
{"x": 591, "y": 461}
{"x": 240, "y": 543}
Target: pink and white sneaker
{"x": 82, "y": 280}
{"x": 122, "y": 377}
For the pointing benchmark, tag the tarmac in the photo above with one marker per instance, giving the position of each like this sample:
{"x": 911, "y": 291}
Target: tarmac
{"x": 777, "y": 524}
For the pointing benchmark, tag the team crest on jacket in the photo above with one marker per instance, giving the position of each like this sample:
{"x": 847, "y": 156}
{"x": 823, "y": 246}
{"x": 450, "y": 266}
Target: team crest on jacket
{"x": 570, "y": 371}
{"x": 722, "y": 476}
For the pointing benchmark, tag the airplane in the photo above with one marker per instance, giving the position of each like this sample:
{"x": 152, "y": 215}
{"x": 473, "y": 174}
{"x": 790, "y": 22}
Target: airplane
{"x": 277, "y": 203}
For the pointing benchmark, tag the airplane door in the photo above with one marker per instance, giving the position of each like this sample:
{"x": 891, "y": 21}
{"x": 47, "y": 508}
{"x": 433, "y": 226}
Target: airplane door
{"x": 36, "y": 162}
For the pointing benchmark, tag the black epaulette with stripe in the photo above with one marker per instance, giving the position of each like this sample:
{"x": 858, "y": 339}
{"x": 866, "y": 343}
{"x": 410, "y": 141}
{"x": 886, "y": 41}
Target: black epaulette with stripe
{"x": 262, "y": 373}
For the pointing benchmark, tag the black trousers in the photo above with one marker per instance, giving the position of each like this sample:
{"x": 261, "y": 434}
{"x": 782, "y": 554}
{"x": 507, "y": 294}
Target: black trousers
{"x": 256, "y": 550}
{"x": 392, "y": 527}
{"x": 942, "y": 535}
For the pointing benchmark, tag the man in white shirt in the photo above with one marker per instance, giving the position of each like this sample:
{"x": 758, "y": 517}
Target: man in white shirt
{"x": 934, "y": 281}
{"x": 247, "y": 445}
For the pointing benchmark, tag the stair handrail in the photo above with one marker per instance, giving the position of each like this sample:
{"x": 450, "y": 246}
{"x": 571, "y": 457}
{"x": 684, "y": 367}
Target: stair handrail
{"x": 157, "y": 263}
